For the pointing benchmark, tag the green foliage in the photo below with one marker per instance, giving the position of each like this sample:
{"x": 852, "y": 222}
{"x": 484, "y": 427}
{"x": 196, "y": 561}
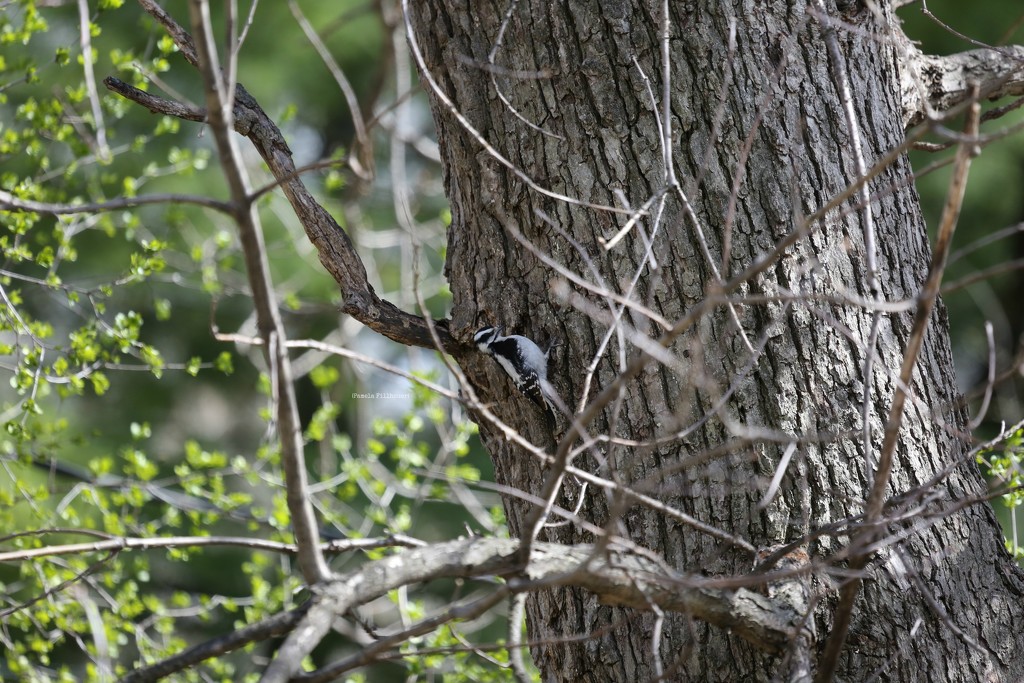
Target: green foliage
{"x": 449, "y": 659}
{"x": 125, "y": 417}
{"x": 1005, "y": 464}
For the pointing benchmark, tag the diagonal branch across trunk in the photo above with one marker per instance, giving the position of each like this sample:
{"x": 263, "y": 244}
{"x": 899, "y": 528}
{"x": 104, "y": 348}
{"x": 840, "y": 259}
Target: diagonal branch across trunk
{"x": 335, "y": 249}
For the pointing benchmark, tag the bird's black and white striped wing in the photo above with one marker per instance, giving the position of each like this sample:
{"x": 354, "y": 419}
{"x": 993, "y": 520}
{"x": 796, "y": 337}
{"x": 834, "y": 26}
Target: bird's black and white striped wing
{"x": 507, "y": 352}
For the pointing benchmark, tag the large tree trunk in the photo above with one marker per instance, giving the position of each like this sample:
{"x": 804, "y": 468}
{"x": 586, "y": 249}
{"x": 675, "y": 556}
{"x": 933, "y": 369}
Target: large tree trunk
{"x": 808, "y": 383}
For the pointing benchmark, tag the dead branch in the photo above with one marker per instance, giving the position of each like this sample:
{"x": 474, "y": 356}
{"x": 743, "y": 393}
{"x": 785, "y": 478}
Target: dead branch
{"x": 933, "y": 83}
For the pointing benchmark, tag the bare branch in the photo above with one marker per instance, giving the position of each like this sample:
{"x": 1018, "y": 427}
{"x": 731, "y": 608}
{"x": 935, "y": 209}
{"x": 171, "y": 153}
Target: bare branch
{"x": 516, "y": 617}
{"x": 114, "y": 544}
{"x": 268, "y": 628}
{"x": 942, "y": 82}
{"x": 85, "y": 40}
{"x": 9, "y": 201}
{"x": 117, "y": 543}
{"x": 991, "y": 378}
{"x": 365, "y": 144}
{"x": 219, "y": 108}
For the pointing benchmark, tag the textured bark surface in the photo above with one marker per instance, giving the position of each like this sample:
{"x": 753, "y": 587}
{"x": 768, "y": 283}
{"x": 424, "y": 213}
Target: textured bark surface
{"x": 778, "y": 83}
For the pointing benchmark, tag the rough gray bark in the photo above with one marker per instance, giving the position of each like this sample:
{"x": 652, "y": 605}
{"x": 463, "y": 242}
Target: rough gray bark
{"x": 808, "y": 384}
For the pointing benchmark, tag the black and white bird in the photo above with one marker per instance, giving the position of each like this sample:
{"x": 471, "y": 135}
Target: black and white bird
{"x": 524, "y": 362}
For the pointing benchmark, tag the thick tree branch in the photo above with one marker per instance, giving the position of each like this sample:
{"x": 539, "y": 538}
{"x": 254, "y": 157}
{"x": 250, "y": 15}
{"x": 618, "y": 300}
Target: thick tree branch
{"x": 933, "y": 84}
{"x": 618, "y": 577}
{"x": 335, "y": 249}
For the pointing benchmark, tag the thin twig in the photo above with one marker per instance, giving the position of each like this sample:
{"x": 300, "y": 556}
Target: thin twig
{"x": 780, "y": 471}
{"x": 9, "y": 201}
{"x": 475, "y": 134}
{"x": 85, "y": 40}
{"x": 991, "y": 381}
{"x": 493, "y": 70}
{"x": 365, "y": 145}
{"x": 91, "y": 569}
{"x": 268, "y": 628}
{"x": 336, "y": 350}
{"x": 982, "y": 275}
{"x": 1008, "y": 231}
{"x": 463, "y": 611}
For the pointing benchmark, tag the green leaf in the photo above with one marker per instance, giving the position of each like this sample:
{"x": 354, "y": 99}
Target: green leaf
{"x": 224, "y": 363}
{"x": 324, "y": 376}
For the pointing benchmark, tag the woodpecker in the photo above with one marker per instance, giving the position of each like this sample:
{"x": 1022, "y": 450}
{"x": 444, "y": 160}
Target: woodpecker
{"x": 523, "y": 361}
